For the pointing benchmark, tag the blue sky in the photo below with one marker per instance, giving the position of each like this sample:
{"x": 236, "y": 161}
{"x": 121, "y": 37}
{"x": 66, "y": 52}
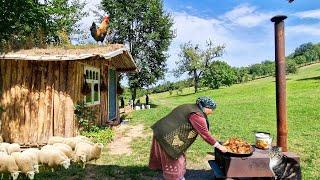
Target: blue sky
{"x": 244, "y": 27}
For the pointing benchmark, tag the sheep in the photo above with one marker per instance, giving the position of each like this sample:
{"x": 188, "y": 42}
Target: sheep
{"x": 8, "y": 164}
{"x": 3, "y": 147}
{"x": 3, "y": 150}
{"x": 55, "y": 139}
{"x": 53, "y": 157}
{"x": 33, "y": 153}
{"x": 85, "y": 152}
{"x": 67, "y": 150}
{"x": 72, "y": 141}
{"x": 10, "y": 148}
{"x": 25, "y": 164}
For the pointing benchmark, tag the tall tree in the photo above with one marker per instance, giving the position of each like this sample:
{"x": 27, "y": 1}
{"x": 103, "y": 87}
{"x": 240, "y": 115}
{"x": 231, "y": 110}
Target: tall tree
{"x": 146, "y": 28}
{"x": 64, "y": 16}
{"x": 195, "y": 61}
{"x": 29, "y": 23}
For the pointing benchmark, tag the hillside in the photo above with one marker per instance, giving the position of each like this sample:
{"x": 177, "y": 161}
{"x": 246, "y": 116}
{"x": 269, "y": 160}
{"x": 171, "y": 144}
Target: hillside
{"x": 243, "y": 108}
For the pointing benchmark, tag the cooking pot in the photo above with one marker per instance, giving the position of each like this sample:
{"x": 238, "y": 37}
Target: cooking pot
{"x": 263, "y": 140}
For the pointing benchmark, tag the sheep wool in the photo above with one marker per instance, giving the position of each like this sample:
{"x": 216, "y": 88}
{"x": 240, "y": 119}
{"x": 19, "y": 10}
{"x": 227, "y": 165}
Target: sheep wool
{"x": 13, "y": 148}
{"x": 10, "y": 148}
{"x": 67, "y": 150}
{"x": 25, "y": 164}
{"x": 55, "y": 139}
{"x": 53, "y": 158}
{"x": 3, "y": 150}
{"x": 8, "y": 164}
{"x": 85, "y": 152}
{"x": 70, "y": 142}
{"x": 33, "y": 153}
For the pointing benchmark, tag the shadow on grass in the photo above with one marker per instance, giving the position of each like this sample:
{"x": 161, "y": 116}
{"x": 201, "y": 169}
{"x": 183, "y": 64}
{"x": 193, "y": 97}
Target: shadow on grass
{"x": 110, "y": 172}
{"x": 153, "y": 105}
{"x": 310, "y": 78}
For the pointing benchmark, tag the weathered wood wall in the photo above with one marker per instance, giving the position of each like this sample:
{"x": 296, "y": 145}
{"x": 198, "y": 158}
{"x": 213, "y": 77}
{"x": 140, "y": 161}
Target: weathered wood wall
{"x": 39, "y": 98}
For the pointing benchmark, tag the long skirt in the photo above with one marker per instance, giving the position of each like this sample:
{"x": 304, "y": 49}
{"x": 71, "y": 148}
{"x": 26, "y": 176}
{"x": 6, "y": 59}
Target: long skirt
{"x": 173, "y": 169}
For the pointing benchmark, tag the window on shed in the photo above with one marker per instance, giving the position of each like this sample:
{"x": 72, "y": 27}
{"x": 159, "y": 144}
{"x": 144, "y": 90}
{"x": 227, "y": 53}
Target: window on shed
{"x": 93, "y": 80}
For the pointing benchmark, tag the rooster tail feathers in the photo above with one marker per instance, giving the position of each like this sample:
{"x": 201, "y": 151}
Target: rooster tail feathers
{"x": 93, "y": 26}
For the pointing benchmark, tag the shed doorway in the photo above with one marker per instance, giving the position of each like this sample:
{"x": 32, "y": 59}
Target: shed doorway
{"x": 112, "y": 94}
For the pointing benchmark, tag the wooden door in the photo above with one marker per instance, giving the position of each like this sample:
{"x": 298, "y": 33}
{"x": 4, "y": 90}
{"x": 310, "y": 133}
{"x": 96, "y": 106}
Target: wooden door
{"x": 112, "y": 95}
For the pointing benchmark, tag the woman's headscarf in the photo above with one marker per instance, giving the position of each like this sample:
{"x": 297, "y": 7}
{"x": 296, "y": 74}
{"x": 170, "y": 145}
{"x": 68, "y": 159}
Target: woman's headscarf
{"x": 207, "y": 102}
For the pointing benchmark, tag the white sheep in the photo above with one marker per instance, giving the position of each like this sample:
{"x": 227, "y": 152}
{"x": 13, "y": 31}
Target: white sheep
{"x": 10, "y": 148}
{"x": 3, "y": 150}
{"x": 24, "y": 163}
{"x": 55, "y": 139}
{"x": 33, "y": 153}
{"x": 8, "y": 164}
{"x": 72, "y": 141}
{"x": 53, "y": 157}
{"x": 67, "y": 150}
{"x": 85, "y": 152}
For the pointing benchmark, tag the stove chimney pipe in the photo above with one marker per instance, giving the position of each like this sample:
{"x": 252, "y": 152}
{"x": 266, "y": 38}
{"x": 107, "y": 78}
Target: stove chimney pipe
{"x": 280, "y": 64}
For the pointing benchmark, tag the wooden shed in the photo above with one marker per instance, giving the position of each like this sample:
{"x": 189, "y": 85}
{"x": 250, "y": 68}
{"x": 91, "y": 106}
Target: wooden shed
{"x": 40, "y": 88}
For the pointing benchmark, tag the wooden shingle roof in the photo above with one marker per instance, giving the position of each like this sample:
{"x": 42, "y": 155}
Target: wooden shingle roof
{"x": 112, "y": 52}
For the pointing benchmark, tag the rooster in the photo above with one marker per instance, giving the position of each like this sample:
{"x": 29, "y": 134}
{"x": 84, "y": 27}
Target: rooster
{"x": 99, "y": 33}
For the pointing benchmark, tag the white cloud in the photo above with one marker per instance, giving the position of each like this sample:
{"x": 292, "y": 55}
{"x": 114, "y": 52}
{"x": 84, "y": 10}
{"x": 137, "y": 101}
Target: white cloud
{"x": 239, "y": 51}
{"x": 313, "y": 29}
{"x": 246, "y": 15}
{"x": 309, "y": 14}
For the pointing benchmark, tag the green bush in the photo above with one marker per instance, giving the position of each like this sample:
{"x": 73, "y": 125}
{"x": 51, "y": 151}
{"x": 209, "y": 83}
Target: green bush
{"x": 85, "y": 116}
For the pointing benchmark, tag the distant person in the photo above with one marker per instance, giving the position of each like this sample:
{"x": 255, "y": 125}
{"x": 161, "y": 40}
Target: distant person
{"x": 147, "y": 99}
{"x": 174, "y": 133}
{"x": 130, "y": 103}
{"x": 121, "y": 102}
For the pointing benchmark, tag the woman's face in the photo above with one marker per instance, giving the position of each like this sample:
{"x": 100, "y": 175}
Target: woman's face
{"x": 208, "y": 111}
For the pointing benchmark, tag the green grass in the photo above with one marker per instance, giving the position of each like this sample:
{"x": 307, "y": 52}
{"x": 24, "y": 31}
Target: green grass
{"x": 243, "y": 108}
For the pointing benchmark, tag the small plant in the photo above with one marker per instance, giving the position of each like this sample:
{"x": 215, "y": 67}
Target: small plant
{"x": 99, "y": 135}
{"x": 85, "y": 116}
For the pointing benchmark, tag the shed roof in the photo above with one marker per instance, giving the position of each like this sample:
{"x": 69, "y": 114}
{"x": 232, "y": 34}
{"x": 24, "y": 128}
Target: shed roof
{"x": 124, "y": 60}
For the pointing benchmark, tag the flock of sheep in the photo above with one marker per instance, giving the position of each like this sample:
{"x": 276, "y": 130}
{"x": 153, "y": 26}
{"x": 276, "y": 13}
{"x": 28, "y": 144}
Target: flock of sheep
{"x": 60, "y": 151}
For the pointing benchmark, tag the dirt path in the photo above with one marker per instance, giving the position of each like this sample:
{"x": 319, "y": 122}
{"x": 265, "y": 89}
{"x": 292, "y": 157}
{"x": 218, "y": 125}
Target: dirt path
{"x": 124, "y": 135}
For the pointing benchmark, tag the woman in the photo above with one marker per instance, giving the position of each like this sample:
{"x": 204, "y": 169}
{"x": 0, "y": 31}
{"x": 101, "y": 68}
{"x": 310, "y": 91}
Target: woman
{"x": 174, "y": 134}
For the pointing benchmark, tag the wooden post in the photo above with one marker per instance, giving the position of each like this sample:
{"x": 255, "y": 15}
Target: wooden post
{"x": 280, "y": 64}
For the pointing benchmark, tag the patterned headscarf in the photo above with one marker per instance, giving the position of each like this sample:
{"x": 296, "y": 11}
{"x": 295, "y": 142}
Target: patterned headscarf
{"x": 207, "y": 102}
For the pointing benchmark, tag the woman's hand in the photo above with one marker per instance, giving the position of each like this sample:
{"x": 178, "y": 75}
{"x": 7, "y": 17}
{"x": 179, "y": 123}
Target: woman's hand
{"x": 220, "y": 147}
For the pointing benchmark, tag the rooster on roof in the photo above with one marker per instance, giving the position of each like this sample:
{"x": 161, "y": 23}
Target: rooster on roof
{"x": 99, "y": 33}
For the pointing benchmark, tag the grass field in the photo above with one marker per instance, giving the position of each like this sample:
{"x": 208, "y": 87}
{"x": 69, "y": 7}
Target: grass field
{"x": 241, "y": 109}
{"x": 244, "y": 108}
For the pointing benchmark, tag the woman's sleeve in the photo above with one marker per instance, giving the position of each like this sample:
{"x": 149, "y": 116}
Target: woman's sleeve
{"x": 199, "y": 123}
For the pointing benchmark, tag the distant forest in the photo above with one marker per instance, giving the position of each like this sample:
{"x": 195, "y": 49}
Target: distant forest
{"x": 222, "y": 74}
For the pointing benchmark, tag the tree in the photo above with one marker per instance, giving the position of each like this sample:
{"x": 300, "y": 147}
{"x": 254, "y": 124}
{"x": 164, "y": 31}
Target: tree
{"x": 63, "y": 18}
{"x": 195, "y": 61}
{"x": 27, "y": 24}
{"x": 291, "y": 67}
{"x": 300, "y": 60}
{"x": 242, "y": 74}
{"x": 146, "y": 29}
{"x": 219, "y": 74}
{"x": 302, "y": 49}
{"x": 19, "y": 21}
